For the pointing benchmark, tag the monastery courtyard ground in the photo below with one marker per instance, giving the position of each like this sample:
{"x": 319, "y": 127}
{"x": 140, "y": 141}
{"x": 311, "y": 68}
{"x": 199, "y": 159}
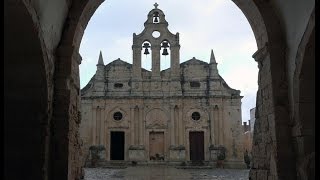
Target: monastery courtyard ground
{"x": 164, "y": 173}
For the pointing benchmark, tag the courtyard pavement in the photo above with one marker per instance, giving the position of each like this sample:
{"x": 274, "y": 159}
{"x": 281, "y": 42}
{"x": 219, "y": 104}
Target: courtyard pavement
{"x": 164, "y": 173}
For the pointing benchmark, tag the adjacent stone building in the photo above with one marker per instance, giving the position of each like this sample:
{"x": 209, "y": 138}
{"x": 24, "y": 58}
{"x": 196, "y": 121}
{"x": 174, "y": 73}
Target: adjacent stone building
{"x": 248, "y": 130}
{"x": 184, "y": 113}
{"x": 252, "y": 119}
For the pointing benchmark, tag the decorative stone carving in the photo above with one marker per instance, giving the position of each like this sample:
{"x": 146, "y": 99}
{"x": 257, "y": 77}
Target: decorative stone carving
{"x": 156, "y": 119}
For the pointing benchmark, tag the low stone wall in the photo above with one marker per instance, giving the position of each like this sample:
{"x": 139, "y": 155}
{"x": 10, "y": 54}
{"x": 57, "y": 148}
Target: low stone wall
{"x": 96, "y": 154}
{"x": 137, "y": 153}
{"x": 177, "y": 153}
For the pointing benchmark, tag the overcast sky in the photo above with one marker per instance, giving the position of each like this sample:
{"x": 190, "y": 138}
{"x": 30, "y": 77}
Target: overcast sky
{"x": 202, "y": 25}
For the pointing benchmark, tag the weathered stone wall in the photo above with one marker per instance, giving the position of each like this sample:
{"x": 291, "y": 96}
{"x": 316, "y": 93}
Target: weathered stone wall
{"x": 155, "y": 114}
{"x": 32, "y": 32}
{"x": 280, "y": 162}
{"x": 164, "y": 102}
{"x": 86, "y": 128}
{"x": 252, "y": 119}
{"x": 303, "y": 130}
{"x": 66, "y": 143}
{"x": 247, "y": 141}
{"x": 264, "y": 138}
{"x": 42, "y": 34}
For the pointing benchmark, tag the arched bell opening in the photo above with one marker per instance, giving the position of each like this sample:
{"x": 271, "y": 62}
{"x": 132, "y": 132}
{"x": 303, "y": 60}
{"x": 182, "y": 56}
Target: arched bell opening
{"x": 146, "y": 53}
{"x": 155, "y": 17}
{"x": 165, "y": 55}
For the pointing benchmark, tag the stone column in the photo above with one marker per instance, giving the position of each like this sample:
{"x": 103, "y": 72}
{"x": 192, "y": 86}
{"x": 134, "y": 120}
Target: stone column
{"x": 212, "y": 120}
{"x": 132, "y": 126}
{"x": 176, "y": 125}
{"x": 221, "y": 130}
{"x": 105, "y": 130}
{"x": 94, "y": 125}
{"x": 216, "y": 124}
{"x": 65, "y": 142}
{"x": 175, "y": 61}
{"x": 98, "y": 125}
{"x": 270, "y": 144}
{"x": 136, "y": 125}
{"x": 172, "y": 130}
{"x": 141, "y": 127}
{"x": 136, "y": 62}
{"x": 102, "y": 125}
{"x": 181, "y": 128}
{"x": 155, "y": 61}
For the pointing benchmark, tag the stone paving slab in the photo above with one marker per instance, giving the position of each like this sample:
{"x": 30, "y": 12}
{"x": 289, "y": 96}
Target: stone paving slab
{"x": 164, "y": 173}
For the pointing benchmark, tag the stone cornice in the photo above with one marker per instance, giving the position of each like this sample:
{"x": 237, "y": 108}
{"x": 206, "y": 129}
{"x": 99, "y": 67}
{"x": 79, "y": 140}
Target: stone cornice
{"x": 260, "y": 55}
{"x": 160, "y": 97}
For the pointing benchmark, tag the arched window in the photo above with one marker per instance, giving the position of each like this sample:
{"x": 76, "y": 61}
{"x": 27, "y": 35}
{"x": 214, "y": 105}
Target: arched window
{"x": 155, "y": 18}
{"x": 147, "y": 53}
{"x": 165, "y": 60}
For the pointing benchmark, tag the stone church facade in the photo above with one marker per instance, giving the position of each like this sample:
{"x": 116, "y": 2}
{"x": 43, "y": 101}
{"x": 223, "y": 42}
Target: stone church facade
{"x": 181, "y": 114}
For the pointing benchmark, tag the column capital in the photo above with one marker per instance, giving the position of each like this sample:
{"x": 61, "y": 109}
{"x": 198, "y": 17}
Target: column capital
{"x": 260, "y": 55}
{"x": 172, "y": 106}
{"x": 215, "y": 107}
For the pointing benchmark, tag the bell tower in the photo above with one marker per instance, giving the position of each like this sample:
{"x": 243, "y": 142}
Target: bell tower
{"x": 155, "y": 37}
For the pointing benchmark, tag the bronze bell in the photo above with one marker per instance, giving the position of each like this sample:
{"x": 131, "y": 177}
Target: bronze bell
{"x": 165, "y": 52}
{"x": 156, "y": 19}
{"x": 146, "y": 51}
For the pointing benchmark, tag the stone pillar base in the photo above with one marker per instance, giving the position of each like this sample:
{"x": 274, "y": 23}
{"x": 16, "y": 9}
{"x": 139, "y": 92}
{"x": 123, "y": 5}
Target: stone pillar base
{"x": 137, "y": 153}
{"x": 96, "y": 153}
{"x": 215, "y": 151}
{"x": 214, "y": 154}
{"x": 177, "y": 153}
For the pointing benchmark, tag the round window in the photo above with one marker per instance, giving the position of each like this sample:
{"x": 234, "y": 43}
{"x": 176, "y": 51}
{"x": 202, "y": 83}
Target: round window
{"x": 156, "y": 34}
{"x": 117, "y": 116}
{"x": 195, "y": 116}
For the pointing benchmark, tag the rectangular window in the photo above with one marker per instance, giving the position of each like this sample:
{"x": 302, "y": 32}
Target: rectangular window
{"x": 194, "y": 84}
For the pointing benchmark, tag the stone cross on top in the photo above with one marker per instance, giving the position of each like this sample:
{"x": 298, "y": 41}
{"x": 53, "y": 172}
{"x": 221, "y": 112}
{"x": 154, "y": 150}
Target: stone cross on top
{"x": 156, "y": 5}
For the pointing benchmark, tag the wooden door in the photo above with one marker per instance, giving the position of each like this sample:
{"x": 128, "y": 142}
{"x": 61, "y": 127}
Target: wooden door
{"x": 117, "y": 146}
{"x": 156, "y": 146}
{"x": 196, "y": 140}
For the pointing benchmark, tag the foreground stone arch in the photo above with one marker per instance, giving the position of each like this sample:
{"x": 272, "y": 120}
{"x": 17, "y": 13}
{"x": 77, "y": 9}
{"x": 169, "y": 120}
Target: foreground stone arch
{"x": 42, "y": 81}
{"x": 27, "y": 94}
{"x": 271, "y": 153}
{"x": 66, "y": 115}
{"x": 303, "y": 117}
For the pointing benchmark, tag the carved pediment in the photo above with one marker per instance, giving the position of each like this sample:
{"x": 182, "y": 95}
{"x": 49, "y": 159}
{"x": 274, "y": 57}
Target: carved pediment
{"x": 156, "y": 126}
{"x": 156, "y": 119}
